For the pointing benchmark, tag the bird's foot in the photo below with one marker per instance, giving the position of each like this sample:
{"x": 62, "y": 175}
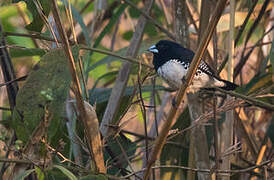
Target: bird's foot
{"x": 183, "y": 80}
{"x": 173, "y": 102}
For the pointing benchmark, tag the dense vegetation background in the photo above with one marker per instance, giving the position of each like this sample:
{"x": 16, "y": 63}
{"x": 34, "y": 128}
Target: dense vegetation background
{"x": 60, "y": 57}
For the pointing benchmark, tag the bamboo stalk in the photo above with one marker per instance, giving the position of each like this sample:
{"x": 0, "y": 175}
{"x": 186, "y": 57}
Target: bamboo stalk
{"x": 122, "y": 79}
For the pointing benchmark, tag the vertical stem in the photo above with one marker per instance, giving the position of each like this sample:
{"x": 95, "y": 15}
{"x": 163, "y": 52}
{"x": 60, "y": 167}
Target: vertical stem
{"x": 123, "y": 76}
{"x": 204, "y": 17}
{"x": 227, "y": 132}
{"x": 7, "y": 69}
{"x": 216, "y": 137}
{"x": 198, "y": 136}
{"x": 180, "y": 25}
{"x": 12, "y": 89}
{"x": 87, "y": 120}
{"x": 191, "y": 161}
{"x": 216, "y": 124}
{"x": 230, "y": 66}
{"x": 143, "y": 110}
{"x": 153, "y": 94}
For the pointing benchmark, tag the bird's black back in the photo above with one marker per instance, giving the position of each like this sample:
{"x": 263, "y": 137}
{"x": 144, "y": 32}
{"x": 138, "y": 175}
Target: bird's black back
{"x": 169, "y": 50}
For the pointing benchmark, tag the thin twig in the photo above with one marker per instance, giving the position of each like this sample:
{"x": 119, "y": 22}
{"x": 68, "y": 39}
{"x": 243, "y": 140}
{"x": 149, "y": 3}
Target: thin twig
{"x": 32, "y": 35}
{"x": 248, "y": 169}
{"x": 80, "y": 12}
{"x": 129, "y": 59}
{"x": 42, "y": 15}
{"x": 249, "y": 99}
{"x": 99, "y": 166}
{"x": 37, "y": 36}
{"x": 22, "y": 78}
{"x": 126, "y": 157}
{"x": 19, "y": 161}
{"x": 205, "y": 117}
{"x": 153, "y": 81}
{"x": 215, "y": 120}
{"x": 143, "y": 109}
{"x": 216, "y": 135}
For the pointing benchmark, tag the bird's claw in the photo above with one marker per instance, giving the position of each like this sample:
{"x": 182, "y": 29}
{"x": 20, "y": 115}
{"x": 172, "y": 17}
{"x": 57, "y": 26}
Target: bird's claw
{"x": 183, "y": 80}
{"x": 173, "y": 102}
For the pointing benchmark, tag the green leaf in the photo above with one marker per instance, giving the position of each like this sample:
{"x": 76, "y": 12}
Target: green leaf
{"x": 99, "y": 71}
{"x": 262, "y": 81}
{"x": 18, "y": 52}
{"x": 112, "y": 73}
{"x": 256, "y": 83}
{"x": 40, "y": 173}
{"x": 158, "y": 12}
{"x": 46, "y": 86}
{"x": 24, "y": 174}
{"x": 134, "y": 13}
{"x": 37, "y": 23}
{"x": 128, "y": 35}
{"x": 150, "y": 30}
{"x": 66, "y": 172}
{"x": 8, "y": 11}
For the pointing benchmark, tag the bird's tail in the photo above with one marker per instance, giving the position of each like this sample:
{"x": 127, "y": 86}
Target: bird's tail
{"x": 226, "y": 85}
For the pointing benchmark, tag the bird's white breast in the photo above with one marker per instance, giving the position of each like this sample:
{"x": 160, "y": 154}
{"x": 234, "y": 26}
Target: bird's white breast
{"x": 173, "y": 71}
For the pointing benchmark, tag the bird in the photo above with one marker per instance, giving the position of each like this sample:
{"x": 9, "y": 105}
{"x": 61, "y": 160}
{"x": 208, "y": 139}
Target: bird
{"x": 171, "y": 62}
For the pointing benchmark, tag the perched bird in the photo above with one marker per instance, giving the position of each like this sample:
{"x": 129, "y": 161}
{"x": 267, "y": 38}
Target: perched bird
{"x": 171, "y": 61}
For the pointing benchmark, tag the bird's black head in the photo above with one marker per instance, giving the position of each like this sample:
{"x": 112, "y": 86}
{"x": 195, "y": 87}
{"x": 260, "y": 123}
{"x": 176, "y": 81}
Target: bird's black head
{"x": 166, "y": 50}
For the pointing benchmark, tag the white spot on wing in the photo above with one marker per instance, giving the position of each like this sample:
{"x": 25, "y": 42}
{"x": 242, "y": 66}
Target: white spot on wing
{"x": 204, "y": 67}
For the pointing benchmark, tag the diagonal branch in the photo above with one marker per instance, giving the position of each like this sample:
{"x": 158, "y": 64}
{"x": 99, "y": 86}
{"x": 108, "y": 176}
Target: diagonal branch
{"x": 160, "y": 141}
{"x": 87, "y": 120}
{"x": 7, "y": 69}
{"x": 249, "y": 99}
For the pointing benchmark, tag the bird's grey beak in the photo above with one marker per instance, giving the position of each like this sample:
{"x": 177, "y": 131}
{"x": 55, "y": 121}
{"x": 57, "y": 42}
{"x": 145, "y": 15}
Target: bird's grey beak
{"x": 153, "y": 49}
